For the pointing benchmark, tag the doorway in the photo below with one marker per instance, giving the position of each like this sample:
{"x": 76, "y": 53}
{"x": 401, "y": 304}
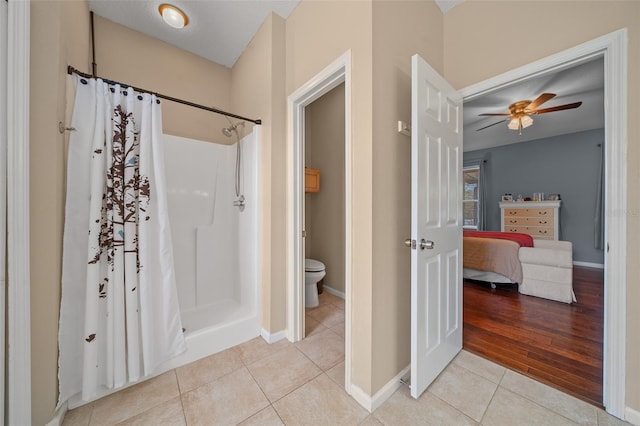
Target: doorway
{"x": 612, "y": 48}
{"x": 336, "y": 74}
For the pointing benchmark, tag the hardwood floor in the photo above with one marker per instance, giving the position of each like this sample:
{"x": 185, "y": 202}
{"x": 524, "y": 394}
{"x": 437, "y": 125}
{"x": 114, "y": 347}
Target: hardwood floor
{"x": 552, "y": 342}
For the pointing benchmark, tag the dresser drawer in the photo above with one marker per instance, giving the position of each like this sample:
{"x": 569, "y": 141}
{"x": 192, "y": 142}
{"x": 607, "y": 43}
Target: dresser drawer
{"x": 528, "y": 213}
{"x": 527, "y": 221}
{"x": 534, "y": 231}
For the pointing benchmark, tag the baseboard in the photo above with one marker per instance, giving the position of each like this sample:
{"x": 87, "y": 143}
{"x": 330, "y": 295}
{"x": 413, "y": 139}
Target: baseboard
{"x": 371, "y": 403}
{"x": 589, "y": 264}
{"x": 58, "y": 417}
{"x": 272, "y": 337}
{"x": 333, "y": 291}
{"x": 632, "y": 416}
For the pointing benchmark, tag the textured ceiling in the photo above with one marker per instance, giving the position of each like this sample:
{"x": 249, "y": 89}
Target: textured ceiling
{"x": 218, "y": 30}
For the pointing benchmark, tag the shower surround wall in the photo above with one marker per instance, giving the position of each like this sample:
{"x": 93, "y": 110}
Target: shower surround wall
{"x": 215, "y": 245}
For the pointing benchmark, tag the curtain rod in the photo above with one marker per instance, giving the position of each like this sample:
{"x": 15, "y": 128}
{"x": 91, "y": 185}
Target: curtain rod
{"x": 71, "y": 70}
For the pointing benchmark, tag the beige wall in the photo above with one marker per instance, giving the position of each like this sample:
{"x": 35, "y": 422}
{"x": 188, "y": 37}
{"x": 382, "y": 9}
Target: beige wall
{"x": 261, "y": 94}
{"x": 131, "y": 57}
{"x": 480, "y": 43}
{"x": 318, "y": 32}
{"x": 324, "y": 210}
{"x": 59, "y": 35}
{"x": 400, "y": 30}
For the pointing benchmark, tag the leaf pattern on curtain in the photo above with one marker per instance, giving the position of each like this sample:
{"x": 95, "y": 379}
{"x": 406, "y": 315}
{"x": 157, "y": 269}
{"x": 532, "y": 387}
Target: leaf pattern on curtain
{"x": 127, "y": 193}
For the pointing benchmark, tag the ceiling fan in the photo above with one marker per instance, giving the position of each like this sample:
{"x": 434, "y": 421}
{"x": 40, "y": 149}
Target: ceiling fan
{"x": 520, "y": 112}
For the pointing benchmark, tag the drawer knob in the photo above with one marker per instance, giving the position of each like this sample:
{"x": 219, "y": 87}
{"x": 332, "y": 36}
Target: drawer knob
{"x": 542, "y": 213}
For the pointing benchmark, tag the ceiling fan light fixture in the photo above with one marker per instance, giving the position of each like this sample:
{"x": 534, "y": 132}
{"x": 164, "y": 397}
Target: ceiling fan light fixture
{"x": 173, "y": 16}
{"x": 514, "y": 124}
{"x": 526, "y": 121}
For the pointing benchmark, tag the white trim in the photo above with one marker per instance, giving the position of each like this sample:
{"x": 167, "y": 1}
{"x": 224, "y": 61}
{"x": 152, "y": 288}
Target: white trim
{"x": 613, "y": 47}
{"x": 371, "y": 403}
{"x": 273, "y": 337}
{"x": 18, "y": 279}
{"x": 333, "y": 291}
{"x": 632, "y": 416}
{"x": 3, "y": 197}
{"x": 336, "y": 73}
{"x": 58, "y": 416}
{"x": 589, "y": 264}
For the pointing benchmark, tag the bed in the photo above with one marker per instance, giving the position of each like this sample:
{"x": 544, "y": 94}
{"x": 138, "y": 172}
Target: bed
{"x": 493, "y": 256}
{"x": 541, "y": 268}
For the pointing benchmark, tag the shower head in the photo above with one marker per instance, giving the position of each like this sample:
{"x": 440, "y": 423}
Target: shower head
{"x": 227, "y": 131}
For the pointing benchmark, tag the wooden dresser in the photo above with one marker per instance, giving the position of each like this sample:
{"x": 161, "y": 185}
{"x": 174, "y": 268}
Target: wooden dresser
{"x": 540, "y": 219}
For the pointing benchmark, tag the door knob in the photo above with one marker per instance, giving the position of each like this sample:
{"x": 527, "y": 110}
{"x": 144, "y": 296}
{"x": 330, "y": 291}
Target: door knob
{"x": 426, "y": 244}
{"x": 410, "y": 243}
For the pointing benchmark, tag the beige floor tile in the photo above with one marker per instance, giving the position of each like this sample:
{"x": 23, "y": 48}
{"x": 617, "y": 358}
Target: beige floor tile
{"x": 339, "y": 329}
{"x": 480, "y": 366}
{"x": 283, "y": 372}
{"x": 402, "y": 409}
{"x": 337, "y": 374}
{"x": 312, "y": 326}
{"x": 328, "y": 315}
{"x": 137, "y": 399}
{"x": 328, "y": 298}
{"x": 78, "y": 416}
{"x": 266, "y": 417}
{"x": 464, "y": 390}
{"x": 319, "y": 402}
{"x": 326, "y": 349}
{"x": 371, "y": 420}
{"x": 566, "y": 405}
{"x": 208, "y": 369}
{"x": 229, "y": 400}
{"x": 606, "y": 419}
{"x": 168, "y": 413}
{"x": 258, "y": 348}
{"x": 508, "y": 408}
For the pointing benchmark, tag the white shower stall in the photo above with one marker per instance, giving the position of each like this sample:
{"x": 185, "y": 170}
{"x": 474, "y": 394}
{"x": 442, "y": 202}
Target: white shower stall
{"x": 215, "y": 244}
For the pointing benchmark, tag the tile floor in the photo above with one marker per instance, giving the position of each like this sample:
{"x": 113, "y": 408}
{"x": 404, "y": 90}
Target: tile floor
{"x": 303, "y": 384}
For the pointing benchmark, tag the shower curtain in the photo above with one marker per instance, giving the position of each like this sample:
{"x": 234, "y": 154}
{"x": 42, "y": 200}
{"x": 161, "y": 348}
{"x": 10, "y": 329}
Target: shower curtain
{"x": 119, "y": 315}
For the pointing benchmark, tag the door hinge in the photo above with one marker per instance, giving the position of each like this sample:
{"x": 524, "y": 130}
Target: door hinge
{"x": 304, "y": 234}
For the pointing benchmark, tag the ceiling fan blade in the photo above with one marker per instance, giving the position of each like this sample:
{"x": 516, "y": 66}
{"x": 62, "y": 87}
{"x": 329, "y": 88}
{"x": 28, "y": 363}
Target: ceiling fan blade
{"x": 557, "y": 108}
{"x": 494, "y": 115}
{"x": 491, "y": 125}
{"x": 540, "y": 100}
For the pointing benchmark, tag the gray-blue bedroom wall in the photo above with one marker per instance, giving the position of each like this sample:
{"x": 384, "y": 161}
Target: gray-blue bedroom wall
{"x": 568, "y": 165}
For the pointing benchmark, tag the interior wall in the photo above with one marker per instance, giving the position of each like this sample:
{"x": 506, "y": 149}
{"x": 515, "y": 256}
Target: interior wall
{"x": 324, "y": 210}
{"x": 400, "y": 30}
{"x": 262, "y": 94}
{"x": 568, "y": 165}
{"x": 59, "y": 36}
{"x": 311, "y": 47}
{"x": 133, "y": 58}
{"x": 478, "y": 45}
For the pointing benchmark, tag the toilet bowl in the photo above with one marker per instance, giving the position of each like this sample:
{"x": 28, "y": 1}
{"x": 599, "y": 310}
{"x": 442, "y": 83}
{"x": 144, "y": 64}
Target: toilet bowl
{"x": 313, "y": 272}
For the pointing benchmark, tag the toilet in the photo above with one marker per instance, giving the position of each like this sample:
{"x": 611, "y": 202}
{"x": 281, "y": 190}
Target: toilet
{"x": 313, "y": 272}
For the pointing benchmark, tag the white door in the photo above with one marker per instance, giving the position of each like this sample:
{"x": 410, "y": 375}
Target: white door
{"x": 436, "y": 225}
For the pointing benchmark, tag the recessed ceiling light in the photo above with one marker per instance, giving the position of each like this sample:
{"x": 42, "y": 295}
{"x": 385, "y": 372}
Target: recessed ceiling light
{"x": 173, "y": 16}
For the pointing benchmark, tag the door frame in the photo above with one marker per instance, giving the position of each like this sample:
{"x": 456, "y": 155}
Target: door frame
{"x": 18, "y": 339}
{"x": 3, "y": 194}
{"x": 613, "y": 48}
{"x": 338, "y": 72}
